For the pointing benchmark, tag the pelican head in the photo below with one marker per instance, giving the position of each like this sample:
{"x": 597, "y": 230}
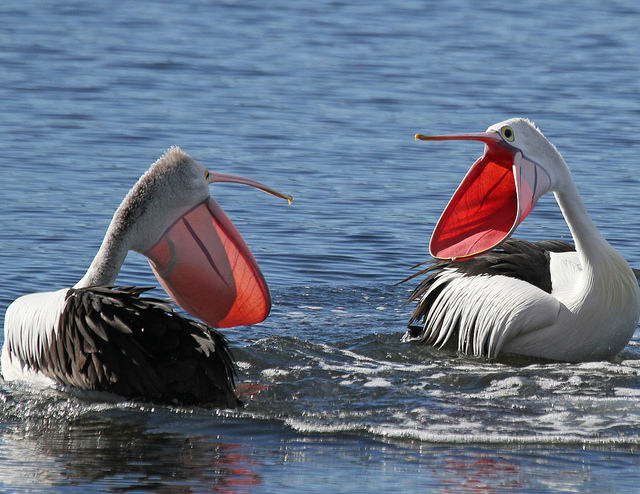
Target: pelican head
{"x": 171, "y": 187}
{"x": 518, "y": 166}
{"x": 194, "y": 249}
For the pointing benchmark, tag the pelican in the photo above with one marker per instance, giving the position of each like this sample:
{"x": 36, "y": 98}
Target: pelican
{"x": 545, "y": 299}
{"x": 101, "y": 337}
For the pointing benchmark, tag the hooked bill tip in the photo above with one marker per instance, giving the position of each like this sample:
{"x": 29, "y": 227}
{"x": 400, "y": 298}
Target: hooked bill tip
{"x": 422, "y": 137}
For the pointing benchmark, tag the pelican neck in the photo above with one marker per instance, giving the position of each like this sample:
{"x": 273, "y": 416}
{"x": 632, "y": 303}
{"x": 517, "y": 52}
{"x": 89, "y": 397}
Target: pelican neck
{"x": 590, "y": 244}
{"x": 107, "y": 263}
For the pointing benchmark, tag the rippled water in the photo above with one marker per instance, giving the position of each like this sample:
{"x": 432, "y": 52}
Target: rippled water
{"x": 320, "y": 100}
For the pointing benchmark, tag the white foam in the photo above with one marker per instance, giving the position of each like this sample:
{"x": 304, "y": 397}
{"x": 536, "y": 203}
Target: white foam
{"x": 575, "y": 380}
{"x": 631, "y": 392}
{"x": 470, "y": 437}
{"x": 377, "y": 382}
{"x": 480, "y": 438}
{"x": 547, "y": 383}
{"x": 272, "y": 373}
{"x": 501, "y": 388}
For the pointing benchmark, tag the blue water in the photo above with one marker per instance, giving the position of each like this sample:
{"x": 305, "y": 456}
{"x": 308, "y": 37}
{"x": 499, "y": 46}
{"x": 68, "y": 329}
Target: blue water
{"x": 320, "y": 100}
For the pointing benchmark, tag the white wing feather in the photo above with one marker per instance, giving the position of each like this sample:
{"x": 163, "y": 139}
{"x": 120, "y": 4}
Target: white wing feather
{"x": 30, "y": 325}
{"x": 486, "y": 310}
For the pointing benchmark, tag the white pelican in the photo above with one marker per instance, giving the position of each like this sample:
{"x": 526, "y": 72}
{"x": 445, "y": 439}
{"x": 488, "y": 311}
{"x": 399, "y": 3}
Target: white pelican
{"x": 539, "y": 299}
{"x": 99, "y": 337}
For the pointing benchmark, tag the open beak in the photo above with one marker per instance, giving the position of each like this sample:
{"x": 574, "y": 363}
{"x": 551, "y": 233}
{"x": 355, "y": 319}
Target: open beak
{"x": 206, "y": 267}
{"x": 496, "y": 195}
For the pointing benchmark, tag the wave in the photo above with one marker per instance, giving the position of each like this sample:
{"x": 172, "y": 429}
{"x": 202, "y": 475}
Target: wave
{"x": 401, "y": 433}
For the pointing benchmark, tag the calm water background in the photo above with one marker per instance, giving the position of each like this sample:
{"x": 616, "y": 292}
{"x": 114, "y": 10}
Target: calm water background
{"x": 321, "y": 100}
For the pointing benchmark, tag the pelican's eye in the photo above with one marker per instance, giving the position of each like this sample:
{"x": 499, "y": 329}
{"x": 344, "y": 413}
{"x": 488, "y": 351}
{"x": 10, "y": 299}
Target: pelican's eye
{"x": 507, "y": 133}
{"x": 206, "y": 174}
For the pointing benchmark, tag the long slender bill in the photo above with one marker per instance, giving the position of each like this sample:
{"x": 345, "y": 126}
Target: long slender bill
{"x": 223, "y": 177}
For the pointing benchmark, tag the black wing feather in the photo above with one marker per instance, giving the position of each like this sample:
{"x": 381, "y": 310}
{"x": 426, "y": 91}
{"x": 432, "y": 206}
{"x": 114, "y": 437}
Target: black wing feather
{"x": 111, "y": 339}
{"x": 520, "y": 259}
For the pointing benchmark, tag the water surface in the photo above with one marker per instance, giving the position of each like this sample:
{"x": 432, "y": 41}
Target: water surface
{"x": 320, "y": 100}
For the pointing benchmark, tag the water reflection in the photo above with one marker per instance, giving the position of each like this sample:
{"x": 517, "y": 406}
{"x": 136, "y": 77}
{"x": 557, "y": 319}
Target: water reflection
{"x": 120, "y": 450}
{"x": 481, "y": 474}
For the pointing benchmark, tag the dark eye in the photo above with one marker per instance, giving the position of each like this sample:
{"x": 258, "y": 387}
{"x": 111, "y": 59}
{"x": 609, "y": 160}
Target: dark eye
{"x": 507, "y": 133}
{"x": 206, "y": 174}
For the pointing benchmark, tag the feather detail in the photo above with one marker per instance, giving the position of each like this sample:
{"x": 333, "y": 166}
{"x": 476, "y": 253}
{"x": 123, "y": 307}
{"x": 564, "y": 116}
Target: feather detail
{"x": 112, "y": 339}
{"x": 482, "y": 301}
